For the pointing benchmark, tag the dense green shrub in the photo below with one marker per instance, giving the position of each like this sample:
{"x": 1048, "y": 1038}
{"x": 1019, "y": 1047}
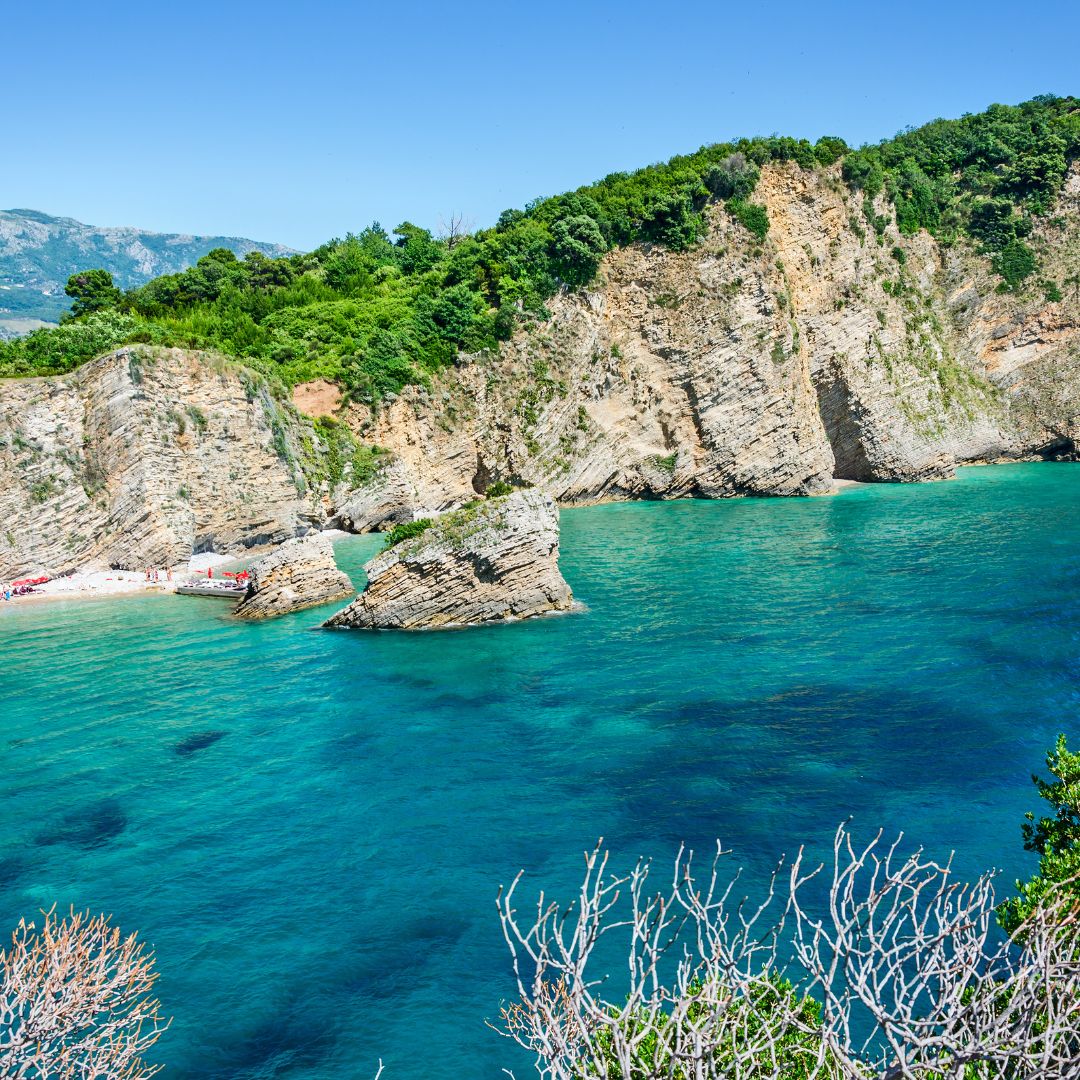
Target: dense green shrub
{"x": 1015, "y": 262}
{"x": 53, "y": 351}
{"x": 993, "y": 223}
{"x": 376, "y": 311}
{"x": 733, "y": 178}
{"x": 829, "y": 149}
{"x": 751, "y": 215}
{"x": 577, "y": 245}
{"x": 91, "y": 290}
{"x": 1055, "y": 838}
{"x": 796, "y": 1051}
{"x": 406, "y": 531}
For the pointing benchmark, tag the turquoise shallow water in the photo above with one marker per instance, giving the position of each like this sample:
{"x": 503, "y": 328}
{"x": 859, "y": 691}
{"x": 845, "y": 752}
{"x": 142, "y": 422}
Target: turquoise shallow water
{"x": 311, "y": 827}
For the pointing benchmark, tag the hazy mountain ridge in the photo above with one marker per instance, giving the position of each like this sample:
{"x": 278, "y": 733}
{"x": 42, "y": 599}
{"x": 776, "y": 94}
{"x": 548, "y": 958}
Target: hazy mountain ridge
{"x": 38, "y": 252}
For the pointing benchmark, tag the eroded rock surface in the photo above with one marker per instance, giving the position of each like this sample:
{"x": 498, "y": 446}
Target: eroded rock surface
{"x": 739, "y": 367}
{"x": 747, "y": 367}
{"x": 493, "y": 562}
{"x": 299, "y": 574}
{"x": 141, "y": 458}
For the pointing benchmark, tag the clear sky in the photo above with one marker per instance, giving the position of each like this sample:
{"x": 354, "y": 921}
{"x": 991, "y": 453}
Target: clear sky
{"x": 300, "y": 121}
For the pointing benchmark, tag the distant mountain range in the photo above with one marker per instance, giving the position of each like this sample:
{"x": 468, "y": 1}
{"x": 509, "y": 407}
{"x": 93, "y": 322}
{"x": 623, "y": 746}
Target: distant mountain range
{"x": 39, "y": 252}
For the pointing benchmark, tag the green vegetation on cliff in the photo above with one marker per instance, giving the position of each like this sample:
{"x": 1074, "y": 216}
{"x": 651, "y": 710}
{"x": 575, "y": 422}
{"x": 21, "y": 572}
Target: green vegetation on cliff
{"x": 38, "y": 252}
{"x": 376, "y": 311}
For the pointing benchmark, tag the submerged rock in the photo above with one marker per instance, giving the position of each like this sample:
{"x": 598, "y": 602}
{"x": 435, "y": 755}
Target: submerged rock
{"x": 299, "y": 574}
{"x": 492, "y": 562}
{"x": 200, "y": 740}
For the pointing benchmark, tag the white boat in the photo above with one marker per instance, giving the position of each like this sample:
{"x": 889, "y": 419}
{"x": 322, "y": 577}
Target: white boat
{"x": 227, "y": 589}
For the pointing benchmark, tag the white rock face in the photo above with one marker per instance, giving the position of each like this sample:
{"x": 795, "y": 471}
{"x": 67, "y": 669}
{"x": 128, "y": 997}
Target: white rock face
{"x": 492, "y": 563}
{"x": 299, "y": 574}
{"x": 142, "y": 458}
{"x": 740, "y": 367}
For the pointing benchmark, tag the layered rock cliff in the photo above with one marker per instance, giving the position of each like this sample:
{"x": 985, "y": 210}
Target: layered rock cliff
{"x": 740, "y": 367}
{"x": 493, "y": 562}
{"x": 299, "y": 574}
{"x": 143, "y": 457}
{"x": 747, "y": 367}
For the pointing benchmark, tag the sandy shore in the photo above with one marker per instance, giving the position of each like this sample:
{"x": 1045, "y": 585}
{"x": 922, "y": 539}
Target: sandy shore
{"x": 88, "y": 584}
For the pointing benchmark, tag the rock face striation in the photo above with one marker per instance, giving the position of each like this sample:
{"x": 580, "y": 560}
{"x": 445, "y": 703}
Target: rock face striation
{"x": 143, "y": 457}
{"x": 494, "y": 562}
{"x": 299, "y": 574}
{"x": 740, "y": 367}
{"x": 746, "y": 367}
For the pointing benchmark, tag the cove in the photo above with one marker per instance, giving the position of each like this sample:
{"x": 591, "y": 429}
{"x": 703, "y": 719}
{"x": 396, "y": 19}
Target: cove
{"x": 311, "y": 827}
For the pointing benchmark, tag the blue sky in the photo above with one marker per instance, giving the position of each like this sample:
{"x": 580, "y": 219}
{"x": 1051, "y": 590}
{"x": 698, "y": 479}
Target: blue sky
{"x": 296, "y": 122}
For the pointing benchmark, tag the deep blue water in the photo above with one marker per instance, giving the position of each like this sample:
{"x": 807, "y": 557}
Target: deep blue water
{"x": 310, "y": 827}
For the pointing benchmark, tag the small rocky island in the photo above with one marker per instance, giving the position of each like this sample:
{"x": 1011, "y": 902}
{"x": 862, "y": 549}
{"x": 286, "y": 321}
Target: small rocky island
{"x": 494, "y": 561}
{"x": 299, "y": 574}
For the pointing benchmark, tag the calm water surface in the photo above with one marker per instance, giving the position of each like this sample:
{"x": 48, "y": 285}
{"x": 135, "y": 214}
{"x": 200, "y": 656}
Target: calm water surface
{"x": 310, "y": 827}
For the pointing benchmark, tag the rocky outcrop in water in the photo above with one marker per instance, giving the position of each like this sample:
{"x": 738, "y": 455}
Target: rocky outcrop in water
{"x": 493, "y": 562}
{"x": 299, "y": 574}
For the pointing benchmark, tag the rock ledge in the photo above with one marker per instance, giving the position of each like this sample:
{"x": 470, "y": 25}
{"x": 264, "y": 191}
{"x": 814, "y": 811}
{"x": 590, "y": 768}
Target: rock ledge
{"x": 496, "y": 561}
{"x": 299, "y": 574}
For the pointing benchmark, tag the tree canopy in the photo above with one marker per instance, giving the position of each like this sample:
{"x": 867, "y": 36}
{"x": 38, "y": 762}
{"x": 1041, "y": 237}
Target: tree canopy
{"x": 376, "y": 311}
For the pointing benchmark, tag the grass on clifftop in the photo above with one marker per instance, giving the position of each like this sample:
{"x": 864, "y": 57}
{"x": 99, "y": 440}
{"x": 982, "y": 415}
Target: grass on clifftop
{"x": 455, "y": 525}
{"x": 376, "y": 311}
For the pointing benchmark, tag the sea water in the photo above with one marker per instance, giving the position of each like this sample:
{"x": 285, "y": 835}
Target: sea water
{"x": 310, "y": 827}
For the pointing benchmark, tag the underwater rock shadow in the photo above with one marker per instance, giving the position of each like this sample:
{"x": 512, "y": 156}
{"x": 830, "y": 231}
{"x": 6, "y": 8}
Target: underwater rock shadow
{"x": 12, "y": 867}
{"x": 767, "y": 770}
{"x": 88, "y": 827}
{"x": 283, "y": 1040}
{"x": 382, "y": 969}
{"x": 200, "y": 740}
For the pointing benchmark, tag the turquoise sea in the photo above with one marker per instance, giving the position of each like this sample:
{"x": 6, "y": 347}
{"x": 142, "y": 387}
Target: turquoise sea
{"x": 310, "y": 827}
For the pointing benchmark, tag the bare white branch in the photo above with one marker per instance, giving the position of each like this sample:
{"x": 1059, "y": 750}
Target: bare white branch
{"x": 75, "y": 1002}
{"x": 454, "y": 229}
{"x": 900, "y": 973}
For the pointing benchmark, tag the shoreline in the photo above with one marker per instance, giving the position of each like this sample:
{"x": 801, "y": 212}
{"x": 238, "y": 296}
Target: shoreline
{"x": 93, "y": 585}
{"x": 110, "y": 584}
{"x": 113, "y": 584}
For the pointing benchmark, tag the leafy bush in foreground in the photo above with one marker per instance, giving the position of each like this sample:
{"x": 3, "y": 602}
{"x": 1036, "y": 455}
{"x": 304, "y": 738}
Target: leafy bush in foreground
{"x": 1054, "y": 837}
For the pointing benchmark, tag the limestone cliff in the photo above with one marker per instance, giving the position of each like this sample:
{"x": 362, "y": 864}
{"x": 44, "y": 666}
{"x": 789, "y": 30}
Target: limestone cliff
{"x": 740, "y": 367}
{"x": 143, "y": 457}
{"x": 743, "y": 367}
{"x": 299, "y": 574}
{"x": 492, "y": 562}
